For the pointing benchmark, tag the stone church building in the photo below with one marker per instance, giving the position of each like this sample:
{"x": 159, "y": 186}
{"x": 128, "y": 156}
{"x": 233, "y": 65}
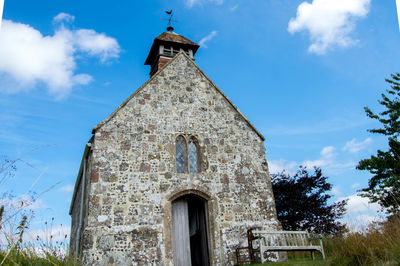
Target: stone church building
{"x": 174, "y": 176}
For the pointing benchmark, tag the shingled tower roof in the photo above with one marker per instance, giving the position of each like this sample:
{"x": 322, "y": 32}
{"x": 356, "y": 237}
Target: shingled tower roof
{"x": 166, "y": 46}
{"x": 173, "y": 37}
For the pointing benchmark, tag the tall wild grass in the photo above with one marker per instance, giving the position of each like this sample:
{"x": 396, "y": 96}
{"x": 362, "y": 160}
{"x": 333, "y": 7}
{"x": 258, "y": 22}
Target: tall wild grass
{"x": 16, "y": 251}
{"x": 15, "y": 216}
{"x": 379, "y": 244}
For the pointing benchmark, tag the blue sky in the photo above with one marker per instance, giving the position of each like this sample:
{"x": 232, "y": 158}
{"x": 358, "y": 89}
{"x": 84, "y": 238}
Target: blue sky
{"x": 301, "y": 71}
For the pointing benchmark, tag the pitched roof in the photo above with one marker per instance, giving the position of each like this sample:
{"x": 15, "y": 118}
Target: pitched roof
{"x": 173, "y": 37}
{"x": 158, "y": 73}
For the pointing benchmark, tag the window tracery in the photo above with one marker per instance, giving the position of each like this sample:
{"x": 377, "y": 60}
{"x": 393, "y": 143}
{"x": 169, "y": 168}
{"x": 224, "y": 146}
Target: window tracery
{"x": 187, "y": 154}
{"x": 192, "y": 156}
{"x": 180, "y": 150}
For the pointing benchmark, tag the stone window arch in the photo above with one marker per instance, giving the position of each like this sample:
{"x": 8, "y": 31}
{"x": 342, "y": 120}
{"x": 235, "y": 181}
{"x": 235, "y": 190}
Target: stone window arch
{"x": 187, "y": 154}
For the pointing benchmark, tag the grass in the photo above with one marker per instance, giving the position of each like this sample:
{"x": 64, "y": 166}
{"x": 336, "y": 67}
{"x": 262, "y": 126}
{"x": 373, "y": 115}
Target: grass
{"x": 379, "y": 244}
{"x": 39, "y": 252}
{"x": 29, "y": 256}
{"x": 296, "y": 261}
{"x": 15, "y": 217}
{"x": 15, "y": 250}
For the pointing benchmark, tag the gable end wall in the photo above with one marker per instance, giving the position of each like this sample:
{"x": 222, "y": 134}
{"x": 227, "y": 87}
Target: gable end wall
{"x": 134, "y": 179}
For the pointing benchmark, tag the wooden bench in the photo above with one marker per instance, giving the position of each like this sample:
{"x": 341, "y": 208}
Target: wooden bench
{"x": 286, "y": 241}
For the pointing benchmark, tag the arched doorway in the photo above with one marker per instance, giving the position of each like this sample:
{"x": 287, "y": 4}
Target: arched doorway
{"x": 189, "y": 231}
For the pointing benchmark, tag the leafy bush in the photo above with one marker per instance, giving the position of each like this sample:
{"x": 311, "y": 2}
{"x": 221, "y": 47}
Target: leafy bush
{"x": 302, "y": 202}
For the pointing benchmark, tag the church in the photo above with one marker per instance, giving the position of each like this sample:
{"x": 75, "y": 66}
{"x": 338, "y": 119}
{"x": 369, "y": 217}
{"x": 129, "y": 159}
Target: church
{"x": 174, "y": 176}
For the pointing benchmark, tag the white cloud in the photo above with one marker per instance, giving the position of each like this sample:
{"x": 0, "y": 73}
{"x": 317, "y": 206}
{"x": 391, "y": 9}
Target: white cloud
{"x": 329, "y": 22}
{"x": 361, "y": 222}
{"x": 96, "y": 44}
{"x": 52, "y": 233}
{"x": 191, "y": 3}
{"x": 398, "y": 11}
{"x": 360, "y": 212}
{"x": 327, "y": 157}
{"x": 233, "y": 8}
{"x": 356, "y": 185}
{"x": 366, "y": 219}
{"x": 328, "y": 160}
{"x": 64, "y": 17}
{"x": 67, "y": 188}
{"x": 22, "y": 202}
{"x": 49, "y": 237}
{"x": 328, "y": 151}
{"x": 277, "y": 166}
{"x": 336, "y": 191}
{"x": 311, "y": 163}
{"x": 1, "y": 11}
{"x": 358, "y": 204}
{"x": 28, "y": 58}
{"x": 207, "y": 38}
{"x": 82, "y": 79}
{"x": 353, "y": 146}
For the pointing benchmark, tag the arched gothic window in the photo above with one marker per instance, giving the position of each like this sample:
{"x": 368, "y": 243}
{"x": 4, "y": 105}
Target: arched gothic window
{"x": 180, "y": 150}
{"x": 187, "y": 155}
{"x": 193, "y": 156}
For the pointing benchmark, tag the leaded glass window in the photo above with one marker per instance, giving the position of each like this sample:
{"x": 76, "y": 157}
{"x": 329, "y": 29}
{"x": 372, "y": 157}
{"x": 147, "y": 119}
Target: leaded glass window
{"x": 187, "y": 155}
{"x": 180, "y": 155}
{"x": 192, "y": 158}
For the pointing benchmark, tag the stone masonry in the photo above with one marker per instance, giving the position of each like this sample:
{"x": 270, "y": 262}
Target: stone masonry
{"x": 132, "y": 178}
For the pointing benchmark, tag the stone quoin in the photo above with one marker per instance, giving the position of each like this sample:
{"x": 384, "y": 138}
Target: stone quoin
{"x": 174, "y": 176}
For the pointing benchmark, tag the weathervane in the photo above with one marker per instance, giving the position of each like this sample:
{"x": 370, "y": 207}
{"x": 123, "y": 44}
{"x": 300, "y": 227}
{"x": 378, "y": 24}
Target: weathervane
{"x": 170, "y": 15}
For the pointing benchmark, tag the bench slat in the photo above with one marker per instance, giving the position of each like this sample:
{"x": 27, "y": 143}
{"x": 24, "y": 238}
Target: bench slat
{"x": 279, "y": 232}
{"x": 285, "y": 241}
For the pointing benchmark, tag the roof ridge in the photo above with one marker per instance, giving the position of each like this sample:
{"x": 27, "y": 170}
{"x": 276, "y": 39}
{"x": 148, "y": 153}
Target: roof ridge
{"x": 181, "y": 39}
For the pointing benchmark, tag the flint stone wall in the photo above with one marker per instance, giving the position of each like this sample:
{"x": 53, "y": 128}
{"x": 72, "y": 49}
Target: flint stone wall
{"x": 133, "y": 174}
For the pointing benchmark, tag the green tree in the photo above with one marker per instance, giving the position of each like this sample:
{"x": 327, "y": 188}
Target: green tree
{"x": 302, "y": 202}
{"x": 384, "y": 185}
